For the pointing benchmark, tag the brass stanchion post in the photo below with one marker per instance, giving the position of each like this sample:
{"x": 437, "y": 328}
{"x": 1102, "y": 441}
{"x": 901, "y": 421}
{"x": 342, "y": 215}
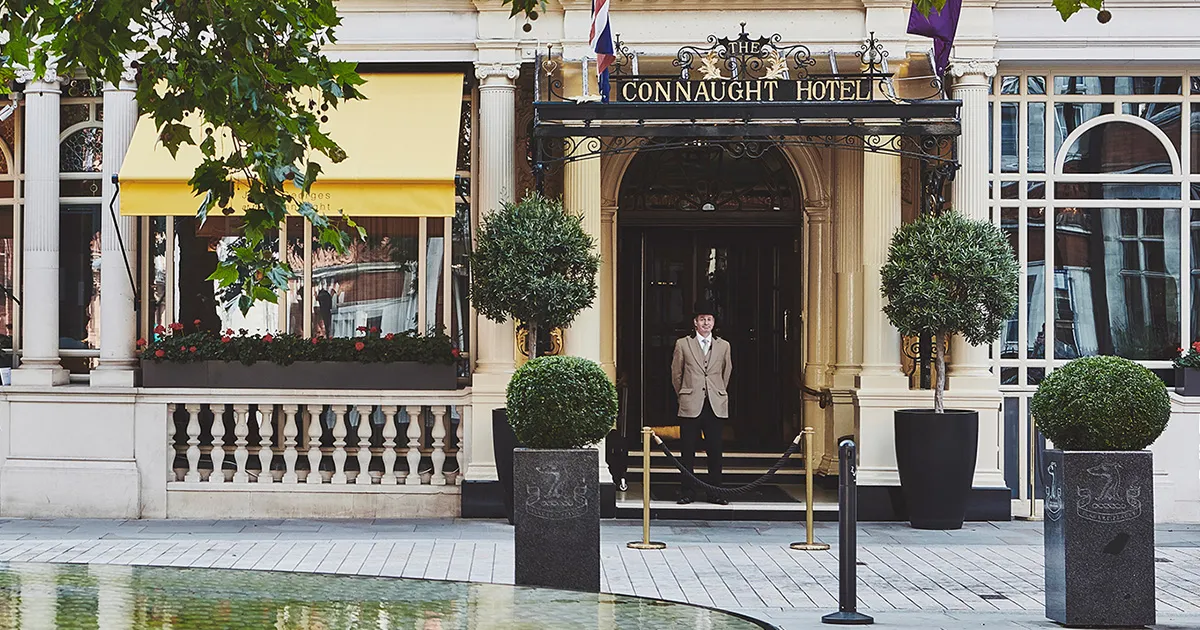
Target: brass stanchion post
{"x": 645, "y": 542}
{"x": 809, "y": 544}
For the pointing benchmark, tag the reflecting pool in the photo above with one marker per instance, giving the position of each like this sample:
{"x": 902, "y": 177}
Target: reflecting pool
{"x": 37, "y": 596}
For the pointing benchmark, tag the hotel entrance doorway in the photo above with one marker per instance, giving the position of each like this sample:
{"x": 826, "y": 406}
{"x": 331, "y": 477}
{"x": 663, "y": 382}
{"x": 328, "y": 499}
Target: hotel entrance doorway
{"x": 751, "y": 276}
{"x": 704, "y": 223}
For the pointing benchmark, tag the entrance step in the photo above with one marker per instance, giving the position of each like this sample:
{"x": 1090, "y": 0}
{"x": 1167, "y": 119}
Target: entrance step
{"x": 782, "y": 502}
{"x": 737, "y": 468}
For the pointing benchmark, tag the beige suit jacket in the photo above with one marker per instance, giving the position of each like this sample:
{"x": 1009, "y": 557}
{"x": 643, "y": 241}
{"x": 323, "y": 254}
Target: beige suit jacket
{"x": 696, "y": 376}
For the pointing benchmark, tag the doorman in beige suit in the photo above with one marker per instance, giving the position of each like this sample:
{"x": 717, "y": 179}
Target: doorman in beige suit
{"x": 700, "y": 370}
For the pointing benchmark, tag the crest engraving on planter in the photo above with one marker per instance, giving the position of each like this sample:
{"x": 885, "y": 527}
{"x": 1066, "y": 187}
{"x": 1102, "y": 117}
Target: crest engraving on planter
{"x": 1054, "y": 502}
{"x": 1115, "y": 501}
{"x": 552, "y": 500}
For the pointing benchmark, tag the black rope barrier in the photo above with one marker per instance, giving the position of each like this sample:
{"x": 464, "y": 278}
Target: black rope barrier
{"x": 716, "y": 490}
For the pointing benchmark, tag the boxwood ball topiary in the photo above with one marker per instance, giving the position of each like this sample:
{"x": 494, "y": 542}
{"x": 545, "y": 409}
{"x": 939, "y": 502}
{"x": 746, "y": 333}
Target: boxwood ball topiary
{"x": 1101, "y": 404}
{"x": 561, "y": 402}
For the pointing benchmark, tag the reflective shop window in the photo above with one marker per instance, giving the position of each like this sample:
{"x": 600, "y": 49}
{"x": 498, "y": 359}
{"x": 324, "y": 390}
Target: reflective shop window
{"x": 373, "y": 285}
{"x": 79, "y": 278}
{"x": 1116, "y": 282}
{"x": 198, "y": 249}
{"x": 1195, "y": 275}
{"x": 1035, "y": 282}
{"x": 1069, "y": 116}
{"x": 1118, "y": 85}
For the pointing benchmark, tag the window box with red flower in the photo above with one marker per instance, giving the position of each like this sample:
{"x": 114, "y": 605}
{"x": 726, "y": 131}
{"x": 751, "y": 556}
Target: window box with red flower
{"x": 284, "y": 361}
{"x": 1187, "y": 371}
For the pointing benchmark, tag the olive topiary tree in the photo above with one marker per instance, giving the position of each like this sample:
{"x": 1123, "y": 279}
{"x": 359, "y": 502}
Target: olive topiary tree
{"x": 561, "y": 402}
{"x": 1101, "y": 404}
{"x": 946, "y": 275}
{"x": 533, "y": 262}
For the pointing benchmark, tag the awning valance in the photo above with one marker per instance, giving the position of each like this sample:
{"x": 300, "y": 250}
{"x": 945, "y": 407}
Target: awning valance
{"x": 401, "y": 142}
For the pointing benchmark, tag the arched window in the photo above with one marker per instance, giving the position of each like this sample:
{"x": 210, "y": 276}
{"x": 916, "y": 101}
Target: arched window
{"x": 1116, "y": 146}
{"x": 710, "y": 181}
{"x": 82, "y": 151}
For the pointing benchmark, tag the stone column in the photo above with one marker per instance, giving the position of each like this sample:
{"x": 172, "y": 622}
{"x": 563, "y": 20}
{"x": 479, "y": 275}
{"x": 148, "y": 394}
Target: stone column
{"x": 883, "y": 388}
{"x": 817, "y": 329}
{"x": 848, "y": 232}
{"x": 881, "y": 218}
{"x": 608, "y": 291}
{"x": 971, "y": 80}
{"x": 497, "y": 185}
{"x": 118, "y": 317}
{"x": 40, "y": 363}
{"x": 581, "y": 196}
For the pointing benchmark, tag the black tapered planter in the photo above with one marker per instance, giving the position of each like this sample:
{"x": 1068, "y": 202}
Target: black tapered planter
{"x": 557, "y": 501}
{"x": 503, "y": 443}
{"x": 935, "y": 453}
{"x": 1099, "y": 537}
{"x": 1187, "y": 381}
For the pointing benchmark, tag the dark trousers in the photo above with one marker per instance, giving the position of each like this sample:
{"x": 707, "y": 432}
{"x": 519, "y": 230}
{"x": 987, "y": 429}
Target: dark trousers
{"x": 689, "y": 433}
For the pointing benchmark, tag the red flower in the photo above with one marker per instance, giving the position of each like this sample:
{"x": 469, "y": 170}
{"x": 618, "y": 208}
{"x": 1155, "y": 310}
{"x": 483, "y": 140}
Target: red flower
{"x": 454, "y": 352}
{"x": 159, "y": 329}
{"x": 192, "y": 349}
{"x": 226, "y": 339}
{"x": 268, "y": 338}
{"x": 389, "y": 336}
{"x": 374, "y": 329}
{"x": 176, "y": 326}
{"x": 159, "y": 353}
{"x": 361, "y": 329}
{"x": 315, "y": 340}
{"x": 141, "y": 342}
{"x": 1196, "y": 346}
{"x": 183, "y": 348}
{"x": 358, "y": 345}
{"x": 228, "y": 331}
{"x": 196, "y": 322}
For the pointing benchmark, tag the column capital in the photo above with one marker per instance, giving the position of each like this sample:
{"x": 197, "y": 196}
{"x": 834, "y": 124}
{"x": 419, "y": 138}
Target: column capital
{"x": 962, "y": 68}
{"x": 46, "y": 82}
{"x": 492, "y": 72}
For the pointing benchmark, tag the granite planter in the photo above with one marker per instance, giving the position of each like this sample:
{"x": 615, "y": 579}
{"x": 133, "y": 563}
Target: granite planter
{"x": 557, "y": 512}
{"x": 1187, "y": 381}
{"x": 299, "y": 375}
{"x": 1099, "y": 537}
{"x": 935, "y": 455}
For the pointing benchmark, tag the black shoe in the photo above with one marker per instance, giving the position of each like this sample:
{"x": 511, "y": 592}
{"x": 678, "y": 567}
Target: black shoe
{"x": 718, "y": 500}
{"x": 684, "y": 500}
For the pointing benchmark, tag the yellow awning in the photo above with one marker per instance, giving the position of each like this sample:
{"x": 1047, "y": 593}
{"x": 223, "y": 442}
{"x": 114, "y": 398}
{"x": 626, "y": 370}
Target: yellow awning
{"x": 401, "y": 143}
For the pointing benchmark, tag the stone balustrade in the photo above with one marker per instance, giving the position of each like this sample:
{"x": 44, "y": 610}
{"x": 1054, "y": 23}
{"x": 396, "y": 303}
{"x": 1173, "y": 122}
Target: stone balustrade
{"x": 381, "y": 442}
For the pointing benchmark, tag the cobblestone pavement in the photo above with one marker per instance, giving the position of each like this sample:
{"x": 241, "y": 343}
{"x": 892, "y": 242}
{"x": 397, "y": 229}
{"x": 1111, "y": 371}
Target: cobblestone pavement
{"x": 985, "y": 575}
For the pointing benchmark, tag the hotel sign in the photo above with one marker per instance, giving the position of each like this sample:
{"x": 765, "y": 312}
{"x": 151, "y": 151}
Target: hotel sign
{"x": 815, "y": 89}
{"x": 746, "y": 69}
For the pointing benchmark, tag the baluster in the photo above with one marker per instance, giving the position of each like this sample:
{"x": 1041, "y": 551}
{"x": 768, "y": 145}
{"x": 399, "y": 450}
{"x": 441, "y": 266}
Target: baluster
{"x": 172, "y": 443}
{"x": 439, "y": 445}
{"x": 414, "y": 447}
{"x": 366, "y": 430}
{"x": 339, "y": 443}
{"x": 241, "y": 428}
{"x": 459, "y": 452}
{"x": 266, "y": 452}
{"x": 315, "y": 429}
{"x": 193, "y": 448}
{"x": 389, "y": 446}
{"x": 289, "y": 444}
{"x": 218, "y": 445}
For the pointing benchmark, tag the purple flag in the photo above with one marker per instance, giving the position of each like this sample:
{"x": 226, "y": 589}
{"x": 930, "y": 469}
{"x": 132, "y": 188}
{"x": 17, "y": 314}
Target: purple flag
{"x": 941, "y": 26}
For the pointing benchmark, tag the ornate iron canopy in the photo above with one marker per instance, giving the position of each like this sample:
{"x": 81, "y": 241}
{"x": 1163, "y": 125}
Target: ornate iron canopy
{"x": 744, "y": 93}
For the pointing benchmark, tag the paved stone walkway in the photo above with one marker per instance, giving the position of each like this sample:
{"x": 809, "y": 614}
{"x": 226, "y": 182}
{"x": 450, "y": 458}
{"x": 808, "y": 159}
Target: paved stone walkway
{"x": 985, "y": 575}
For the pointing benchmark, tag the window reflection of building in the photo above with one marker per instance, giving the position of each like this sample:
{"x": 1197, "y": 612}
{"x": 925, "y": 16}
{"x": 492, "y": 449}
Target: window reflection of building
{"x": 372, "y": 285}
{"x": 81, "y": 146}
{"x": 1111, "y": 175}
{"x": 10, "y": 168}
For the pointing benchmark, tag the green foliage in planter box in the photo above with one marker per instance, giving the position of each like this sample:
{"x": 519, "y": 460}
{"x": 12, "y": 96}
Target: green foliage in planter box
{"x": 173, "y": 345}
{"x": 1189, "y": 358}
{"x": 1101, "y": 404}
{"x": 561, "y": 402}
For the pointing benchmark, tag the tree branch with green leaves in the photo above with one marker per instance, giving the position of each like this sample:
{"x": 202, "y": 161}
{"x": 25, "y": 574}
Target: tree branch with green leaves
{"x": 1066, "y": 8}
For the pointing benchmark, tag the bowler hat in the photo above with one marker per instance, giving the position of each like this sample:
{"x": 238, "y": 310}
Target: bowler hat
{"x": 703, "y": 307}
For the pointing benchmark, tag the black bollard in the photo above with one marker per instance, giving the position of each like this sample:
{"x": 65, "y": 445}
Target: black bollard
{"x": 847, "y": 532}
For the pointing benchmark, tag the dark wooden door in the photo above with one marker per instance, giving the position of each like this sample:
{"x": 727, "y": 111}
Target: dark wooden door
{"x": 751, "y": 276}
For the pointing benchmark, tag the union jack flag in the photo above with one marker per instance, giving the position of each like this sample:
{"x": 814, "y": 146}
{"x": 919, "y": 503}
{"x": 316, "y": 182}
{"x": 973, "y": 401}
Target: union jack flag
{"x": 601, "y": 40}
